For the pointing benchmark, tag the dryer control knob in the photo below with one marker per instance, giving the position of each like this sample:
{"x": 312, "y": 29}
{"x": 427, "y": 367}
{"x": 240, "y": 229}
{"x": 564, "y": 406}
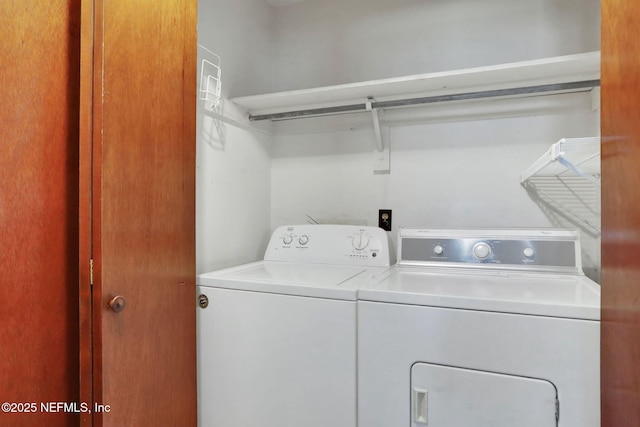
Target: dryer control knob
{"x": 303, "y": 240}
{"x": 481, "y": 250}
{"x": 528, "y": 252}
{"x": 438, "y": 250}
{"x": 287, "y": 239}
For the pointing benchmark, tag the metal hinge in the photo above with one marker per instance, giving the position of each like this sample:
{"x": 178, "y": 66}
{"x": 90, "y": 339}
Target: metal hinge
{"x": 91, "y": 271}
{"x": 557, "y": 410}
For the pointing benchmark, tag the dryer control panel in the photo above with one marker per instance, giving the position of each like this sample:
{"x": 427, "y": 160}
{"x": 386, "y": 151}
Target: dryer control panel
{"x": 330, "y": 244}
{"x": 523, "y": 249}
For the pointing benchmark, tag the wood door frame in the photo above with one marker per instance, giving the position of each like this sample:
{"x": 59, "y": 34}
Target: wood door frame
{"x": 620, "y": 327}
{"x": 89, "y": 196}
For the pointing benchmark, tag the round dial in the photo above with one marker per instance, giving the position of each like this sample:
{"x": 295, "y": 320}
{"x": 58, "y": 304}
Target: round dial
{"x": 438, "y": 250}
{"x": 287, "y": 239}
{"x": 304, "y": 239}
{"x": 481, "y": 250}
{"x": 360, "y": 242}
{"x": 528, "y": 252}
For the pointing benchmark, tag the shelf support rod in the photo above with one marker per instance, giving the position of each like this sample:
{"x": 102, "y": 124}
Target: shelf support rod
{"x": 381, "y": 164}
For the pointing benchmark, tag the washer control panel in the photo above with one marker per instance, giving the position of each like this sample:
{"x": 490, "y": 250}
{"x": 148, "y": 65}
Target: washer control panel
{"x": 549, "y": 250}
{"x": 330, "y": 244}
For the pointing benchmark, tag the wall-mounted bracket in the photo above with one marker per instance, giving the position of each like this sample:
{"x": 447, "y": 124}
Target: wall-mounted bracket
{"x": 595, "y": 98}
{"x": 381, "y": 164}
{"x": 210, "y": 91}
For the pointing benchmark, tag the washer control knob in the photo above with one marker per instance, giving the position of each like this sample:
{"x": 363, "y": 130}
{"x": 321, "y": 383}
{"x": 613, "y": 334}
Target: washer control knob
{"x": 481, "y": 250}
{"x": 360, "y": 242}
{"x": 438, "y": 250}
{"x": 528, "y": 252}
{"x": 303, "y": 240}
{"x": 287, "y": 239}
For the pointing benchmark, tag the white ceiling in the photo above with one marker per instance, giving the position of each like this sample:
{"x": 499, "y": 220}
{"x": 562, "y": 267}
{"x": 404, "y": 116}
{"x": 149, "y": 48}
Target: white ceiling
{"x": 277, "y": 3}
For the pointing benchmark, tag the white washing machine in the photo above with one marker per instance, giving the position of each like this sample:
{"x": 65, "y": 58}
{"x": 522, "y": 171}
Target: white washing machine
{"x": 277, "y": 338}
{"x": 480, "y": 328}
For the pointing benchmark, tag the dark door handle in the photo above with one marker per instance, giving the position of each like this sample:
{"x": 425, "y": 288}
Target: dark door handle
{"x": 117, "y": 304}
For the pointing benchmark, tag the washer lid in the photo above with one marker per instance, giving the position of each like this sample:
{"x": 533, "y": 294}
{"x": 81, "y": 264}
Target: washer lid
{"x": 312, "y": 280}
{"x": 542, "y": 294}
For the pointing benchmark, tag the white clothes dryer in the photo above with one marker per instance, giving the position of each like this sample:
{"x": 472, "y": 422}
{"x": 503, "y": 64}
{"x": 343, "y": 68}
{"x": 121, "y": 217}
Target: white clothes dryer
{"x": 277, "y": 338}
{"x": 482, "y": 328}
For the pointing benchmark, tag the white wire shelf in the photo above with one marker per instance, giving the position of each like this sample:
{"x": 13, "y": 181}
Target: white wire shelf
{"x": 567, "y": 157}
{"x": 565, "y": 182}
{"x": 210, "y": 80}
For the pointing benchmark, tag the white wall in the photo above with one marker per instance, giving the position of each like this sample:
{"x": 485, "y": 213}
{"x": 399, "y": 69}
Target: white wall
{"x": 325, "y": 42}
{"x": 240, "y": 32}
{"x": 442, "y": 174}
{"x": 233, "y": 196}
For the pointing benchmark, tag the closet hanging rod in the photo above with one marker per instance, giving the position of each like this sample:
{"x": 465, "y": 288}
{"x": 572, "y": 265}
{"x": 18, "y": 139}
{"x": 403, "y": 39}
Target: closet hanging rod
{"x": 356, "y": 108}
{"x": 236, "y": 123}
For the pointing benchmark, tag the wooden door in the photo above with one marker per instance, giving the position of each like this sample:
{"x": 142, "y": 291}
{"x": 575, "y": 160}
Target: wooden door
{"x": 620, "y": 213}
{"x": 39, "y": 75}
{"x": 144, "y": 212}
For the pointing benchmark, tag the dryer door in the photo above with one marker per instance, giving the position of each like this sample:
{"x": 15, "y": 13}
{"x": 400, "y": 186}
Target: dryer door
{"x": 445, "y": 396}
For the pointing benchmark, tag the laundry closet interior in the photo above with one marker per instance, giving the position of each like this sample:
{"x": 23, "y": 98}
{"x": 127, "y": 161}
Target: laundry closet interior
{"x": 455, "y": 162}
{"x": 454, "y": 115}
